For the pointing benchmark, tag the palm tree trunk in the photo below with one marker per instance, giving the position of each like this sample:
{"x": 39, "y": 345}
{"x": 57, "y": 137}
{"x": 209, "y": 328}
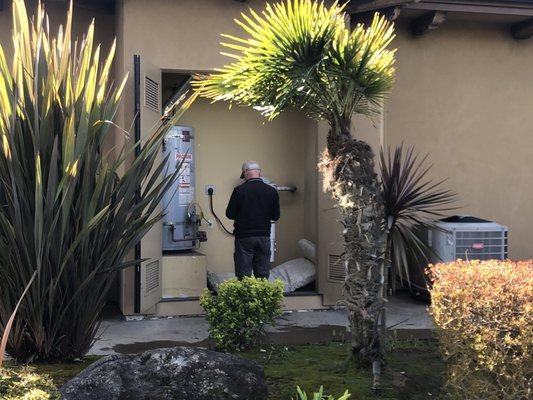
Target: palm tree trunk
{"x": 348, "y": 168}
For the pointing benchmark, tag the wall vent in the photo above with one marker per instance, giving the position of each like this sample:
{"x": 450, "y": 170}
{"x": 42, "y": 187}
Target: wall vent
{"x": 151, "y": 94}
{"x": 336, "y": 269}
{"x": 152, "y": 276}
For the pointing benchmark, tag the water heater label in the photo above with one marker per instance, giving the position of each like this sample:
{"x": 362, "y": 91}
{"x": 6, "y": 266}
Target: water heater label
{"x": 184, "y": 196}
{"x": 184, "y": 185}
{"x": 181, "y": 156}
{"x": 185, "y": 173}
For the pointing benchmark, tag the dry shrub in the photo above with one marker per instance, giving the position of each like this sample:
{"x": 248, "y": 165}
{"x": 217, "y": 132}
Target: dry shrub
{"x": 484, "y": 314}
{"x": 26, "y": 384}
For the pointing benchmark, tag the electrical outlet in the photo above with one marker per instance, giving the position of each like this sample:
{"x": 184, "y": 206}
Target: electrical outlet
{"x": 207, "y": 187}
{"x": 210, "y": 223}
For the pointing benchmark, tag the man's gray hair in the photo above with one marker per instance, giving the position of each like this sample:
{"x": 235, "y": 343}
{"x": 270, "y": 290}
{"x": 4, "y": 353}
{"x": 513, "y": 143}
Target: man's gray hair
{"x": 249, "y": 166}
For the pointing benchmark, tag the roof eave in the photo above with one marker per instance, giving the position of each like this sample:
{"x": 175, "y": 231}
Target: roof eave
{"x": 519, "y": 8}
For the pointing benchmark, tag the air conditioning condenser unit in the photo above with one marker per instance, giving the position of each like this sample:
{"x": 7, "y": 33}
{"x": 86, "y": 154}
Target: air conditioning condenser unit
{"x": 460, "y": 237}
{"x": 468, "y": 238}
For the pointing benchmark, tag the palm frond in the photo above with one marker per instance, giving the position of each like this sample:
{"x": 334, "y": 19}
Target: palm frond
{"x": 300, "y": 53}
{"x": 412, "y": 202}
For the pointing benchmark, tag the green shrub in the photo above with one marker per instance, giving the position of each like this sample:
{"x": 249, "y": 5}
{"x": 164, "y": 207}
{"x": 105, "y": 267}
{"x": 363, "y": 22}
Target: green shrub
{"x": 25, "y": 384}
{"x": 484, "y": 314}
{"x": 71, "y": 207}
{"x": 320, "y": 395}
{"x": 239, "y": 312}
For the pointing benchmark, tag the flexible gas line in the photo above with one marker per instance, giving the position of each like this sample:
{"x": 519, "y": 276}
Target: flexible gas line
{"x": 210, "y": 193}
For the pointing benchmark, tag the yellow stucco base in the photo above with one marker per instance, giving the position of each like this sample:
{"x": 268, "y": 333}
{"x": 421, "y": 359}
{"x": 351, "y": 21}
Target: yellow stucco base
{"x": 184, "y": 275}
{"x": 192, "y": 306}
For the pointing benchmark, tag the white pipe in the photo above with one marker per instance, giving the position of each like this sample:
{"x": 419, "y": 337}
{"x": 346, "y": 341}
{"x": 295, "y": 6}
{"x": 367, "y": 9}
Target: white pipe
{"x": 285, "y": 188}
{"x": 272, "y": 241}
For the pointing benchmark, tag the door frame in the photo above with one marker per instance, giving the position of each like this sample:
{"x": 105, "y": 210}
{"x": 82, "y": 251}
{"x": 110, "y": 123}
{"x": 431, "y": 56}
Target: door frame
{"x": 137, "y": 134}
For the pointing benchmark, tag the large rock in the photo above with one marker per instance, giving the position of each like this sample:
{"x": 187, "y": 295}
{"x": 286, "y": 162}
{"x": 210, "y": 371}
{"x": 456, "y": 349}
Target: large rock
{"x": 179, "y": 373}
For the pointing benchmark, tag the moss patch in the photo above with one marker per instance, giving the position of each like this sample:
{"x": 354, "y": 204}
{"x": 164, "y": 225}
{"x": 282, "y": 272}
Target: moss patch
{"x": 59, "y": 373}
{"x": 414, "y": 371}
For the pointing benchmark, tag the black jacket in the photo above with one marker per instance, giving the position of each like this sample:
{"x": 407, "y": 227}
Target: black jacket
{"x": 253, "y": 205}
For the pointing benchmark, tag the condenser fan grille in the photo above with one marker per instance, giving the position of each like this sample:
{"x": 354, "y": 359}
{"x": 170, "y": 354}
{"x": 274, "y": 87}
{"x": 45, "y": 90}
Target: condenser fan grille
{"x": 481, "y": 245}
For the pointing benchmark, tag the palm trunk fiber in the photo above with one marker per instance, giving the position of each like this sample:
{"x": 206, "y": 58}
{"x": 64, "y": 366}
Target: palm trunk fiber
{"x": 348, "y": 168}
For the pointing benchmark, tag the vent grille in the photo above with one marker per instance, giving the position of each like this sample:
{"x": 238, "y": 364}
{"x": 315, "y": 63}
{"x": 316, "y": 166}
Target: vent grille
{"x": 481, "y": 245}
{"x": 336, "y": 269}
{"x": 151, "y": 94}
{"x": 152, "y": 276}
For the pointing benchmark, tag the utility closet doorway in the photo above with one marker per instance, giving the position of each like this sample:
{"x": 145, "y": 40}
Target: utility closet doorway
{"x": 169, "y": 282}
{"x": 225, "y": 137}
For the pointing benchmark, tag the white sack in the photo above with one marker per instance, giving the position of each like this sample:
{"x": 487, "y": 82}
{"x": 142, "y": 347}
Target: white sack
{"x": 294, "y": 274}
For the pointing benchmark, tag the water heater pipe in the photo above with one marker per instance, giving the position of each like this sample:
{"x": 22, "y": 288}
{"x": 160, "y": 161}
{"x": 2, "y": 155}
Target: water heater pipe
{"x": 172, "y": 229}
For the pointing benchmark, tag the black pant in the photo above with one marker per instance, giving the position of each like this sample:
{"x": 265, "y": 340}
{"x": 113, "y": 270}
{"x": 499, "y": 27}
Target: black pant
{"x": 252, "y": 254}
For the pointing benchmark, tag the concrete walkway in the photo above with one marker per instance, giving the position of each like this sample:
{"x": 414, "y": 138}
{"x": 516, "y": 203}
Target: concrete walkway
{"x": 296, "y": 327}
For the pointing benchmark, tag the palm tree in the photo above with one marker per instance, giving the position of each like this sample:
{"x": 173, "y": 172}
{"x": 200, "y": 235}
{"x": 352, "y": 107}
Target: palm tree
{"x": 299, "y": 53}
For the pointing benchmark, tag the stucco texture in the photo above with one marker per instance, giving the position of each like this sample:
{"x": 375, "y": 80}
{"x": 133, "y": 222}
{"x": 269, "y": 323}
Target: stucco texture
{"x": 227, "y": 137}
{"x": 463, "y": 94}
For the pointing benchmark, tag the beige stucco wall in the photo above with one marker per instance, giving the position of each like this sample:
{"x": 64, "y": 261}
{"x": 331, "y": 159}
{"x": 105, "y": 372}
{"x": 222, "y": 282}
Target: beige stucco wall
{"x": 311, "y": 182}
{"x": 464, "y": 94}
{"x": 224, "y": 138}
{"x": 181, "y": 34}
{"x": 184, "y": 36}
{"x": 104, "y": 24}
{"x": 461, "y": 94}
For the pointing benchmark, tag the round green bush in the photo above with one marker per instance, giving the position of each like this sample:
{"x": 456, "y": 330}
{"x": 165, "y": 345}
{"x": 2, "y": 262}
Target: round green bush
{"x": 239, "y": 312}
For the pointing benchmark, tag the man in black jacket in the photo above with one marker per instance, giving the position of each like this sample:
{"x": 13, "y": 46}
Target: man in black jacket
{"x": 253, "y": 206}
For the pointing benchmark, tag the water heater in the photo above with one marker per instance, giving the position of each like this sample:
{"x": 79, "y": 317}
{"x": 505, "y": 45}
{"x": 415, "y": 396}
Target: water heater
{"x": 180, "y": 223}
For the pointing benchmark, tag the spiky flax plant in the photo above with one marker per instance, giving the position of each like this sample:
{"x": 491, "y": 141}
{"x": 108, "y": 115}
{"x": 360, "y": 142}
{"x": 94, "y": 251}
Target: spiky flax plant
{"x": 412, "y": 202}
{"x": 66, "y": 212}
{"x": 300, "y": 54}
